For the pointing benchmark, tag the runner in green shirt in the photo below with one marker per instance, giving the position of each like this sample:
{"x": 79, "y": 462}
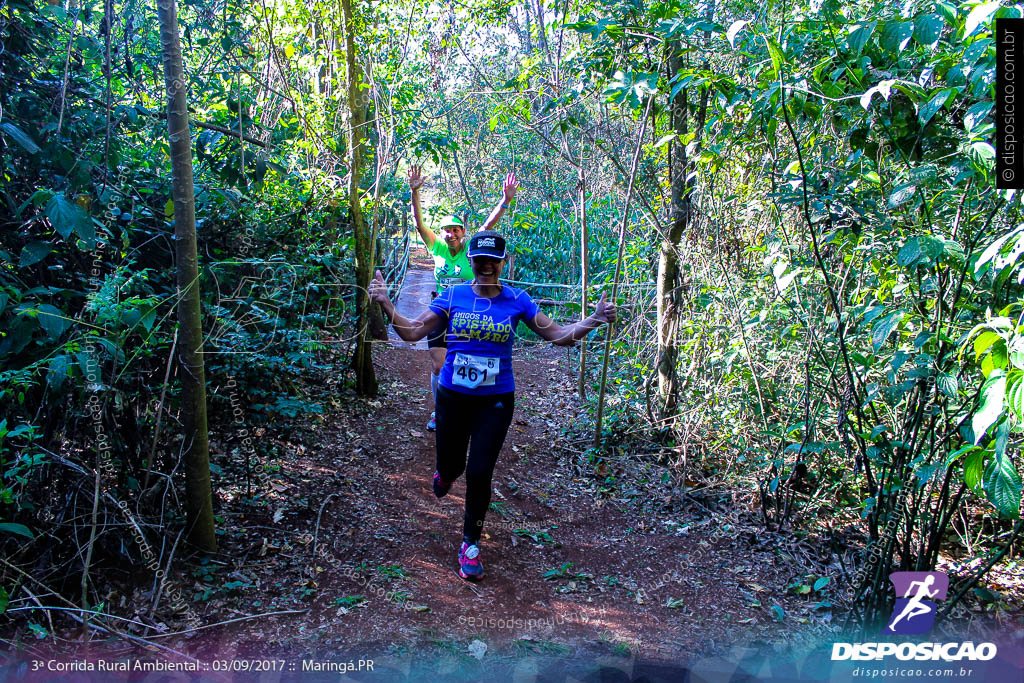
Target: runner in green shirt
{"x": 450, "y": 262}
{"x": 450, "y": 268}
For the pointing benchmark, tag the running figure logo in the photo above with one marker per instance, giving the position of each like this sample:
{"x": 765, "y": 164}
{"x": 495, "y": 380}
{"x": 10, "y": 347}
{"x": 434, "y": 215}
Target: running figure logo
{"x": 914, "y": 612}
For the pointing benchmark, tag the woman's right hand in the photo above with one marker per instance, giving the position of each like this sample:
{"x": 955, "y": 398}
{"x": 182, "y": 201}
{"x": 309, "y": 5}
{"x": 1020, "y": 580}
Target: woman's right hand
{"x": 416, "y": 179}
{"x": 379, "y": 290}
{"x": 606, "y": 311}
{"x": 509, "y": 187}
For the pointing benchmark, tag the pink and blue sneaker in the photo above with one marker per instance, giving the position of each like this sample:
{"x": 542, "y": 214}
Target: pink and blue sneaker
{"x": 469, "y": 562}
{"x": 441, "y": 487}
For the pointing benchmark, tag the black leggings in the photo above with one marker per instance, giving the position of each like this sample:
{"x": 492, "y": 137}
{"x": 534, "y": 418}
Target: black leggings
{"x": 479, "y": 422}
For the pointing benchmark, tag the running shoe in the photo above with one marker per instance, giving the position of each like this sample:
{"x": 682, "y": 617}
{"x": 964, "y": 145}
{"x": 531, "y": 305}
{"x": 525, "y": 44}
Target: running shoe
{"x": 432, "y": 425}
{"x": 469, "y": 562}
{"x": 441, "y": 487}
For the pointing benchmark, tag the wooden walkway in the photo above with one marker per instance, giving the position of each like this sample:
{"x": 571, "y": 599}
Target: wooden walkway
{"x": 413, "y": 300}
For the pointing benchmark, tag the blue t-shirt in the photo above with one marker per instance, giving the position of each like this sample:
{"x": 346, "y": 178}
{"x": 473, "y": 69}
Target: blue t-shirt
{"x": 480, "y": 332}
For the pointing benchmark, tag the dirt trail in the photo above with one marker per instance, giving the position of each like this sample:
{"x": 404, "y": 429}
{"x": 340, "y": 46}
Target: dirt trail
{"x": 619, "y": 580}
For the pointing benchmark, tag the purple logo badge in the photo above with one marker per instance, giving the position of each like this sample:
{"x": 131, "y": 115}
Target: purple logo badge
{"x": 914, "y": 612}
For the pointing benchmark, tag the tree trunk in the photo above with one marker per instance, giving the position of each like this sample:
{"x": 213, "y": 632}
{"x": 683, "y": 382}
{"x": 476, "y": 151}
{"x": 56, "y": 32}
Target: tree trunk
{"x": 198, "y": 503}
{"x": 669, "y": 281}
{"x": 362, "y": 361}
{"x": 668, "y": 258}
{"x": 529, "y": 28}
{"x": 542, "y": 38}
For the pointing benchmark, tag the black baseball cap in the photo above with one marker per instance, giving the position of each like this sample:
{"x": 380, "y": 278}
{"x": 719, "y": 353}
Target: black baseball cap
{"x": 487, "y": 243}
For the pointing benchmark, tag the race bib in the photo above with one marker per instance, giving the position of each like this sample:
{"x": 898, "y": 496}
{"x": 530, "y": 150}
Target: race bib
{"x": 474, "y": 371}
{"x": 444, "y": 283}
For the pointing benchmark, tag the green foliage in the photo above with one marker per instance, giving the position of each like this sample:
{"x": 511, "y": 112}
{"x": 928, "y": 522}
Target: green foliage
{"x": 855, "y": 243}
{"x": 392, "y": 571}
{"x": 538, "y": 537}
{"x": 87, "y": 285}
{"x": 348, "y": 601}
{"x": 559, "y": 572}
{"x": 847, "y": 313}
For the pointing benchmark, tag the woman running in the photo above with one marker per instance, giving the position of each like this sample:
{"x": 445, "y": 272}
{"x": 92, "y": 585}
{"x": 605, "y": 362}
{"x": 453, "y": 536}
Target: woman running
{"x": 450, "y": 263}
{"x": 475, "y": 393}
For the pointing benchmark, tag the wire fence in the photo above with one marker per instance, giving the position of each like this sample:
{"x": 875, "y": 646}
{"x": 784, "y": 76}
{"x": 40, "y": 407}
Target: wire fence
{"x": 395, "y": 266}
{"x": 396, "y": 263}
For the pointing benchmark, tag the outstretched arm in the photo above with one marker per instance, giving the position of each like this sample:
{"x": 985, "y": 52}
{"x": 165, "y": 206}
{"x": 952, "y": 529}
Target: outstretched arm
{"x": 508, "y": 193}
{"x": 567, "y": 335}
{"x": 415, "y": 183}
{"x": 409, "y": 330}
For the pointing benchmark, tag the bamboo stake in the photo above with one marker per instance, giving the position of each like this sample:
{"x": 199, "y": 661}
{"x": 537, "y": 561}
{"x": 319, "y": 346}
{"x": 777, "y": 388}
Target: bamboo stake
{"x": 584, "y": 271}
{"x": 160, "y": 412}
{"x": 618, "y": 269}
{"x": 88, "y": 554}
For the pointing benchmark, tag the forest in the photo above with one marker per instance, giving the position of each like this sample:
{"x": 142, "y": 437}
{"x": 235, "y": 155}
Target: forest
{"x": 212, "y": 442}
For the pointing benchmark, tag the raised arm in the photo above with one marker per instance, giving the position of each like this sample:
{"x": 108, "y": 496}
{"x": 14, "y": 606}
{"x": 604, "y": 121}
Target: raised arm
{"x": 508, "y": 193}
{"x": 567, "y": 335}
{"x": 409, "y": 330}
{"x": 415, "y": 183}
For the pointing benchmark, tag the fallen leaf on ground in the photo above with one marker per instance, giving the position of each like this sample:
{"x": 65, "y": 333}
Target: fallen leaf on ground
{"x": 478, "y": 649}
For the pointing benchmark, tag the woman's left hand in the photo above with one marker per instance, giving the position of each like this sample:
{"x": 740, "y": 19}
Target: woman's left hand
{"x": 510, "y": 186}
{"x": 606, "y": 311}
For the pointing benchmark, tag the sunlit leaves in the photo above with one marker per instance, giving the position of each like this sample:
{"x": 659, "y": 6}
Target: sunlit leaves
{"x": 883, "y": 88}
{"x": 901, "y": 195}
{"x": 1004, "y": 253}
{"x": 990, "y": 408}
{"x": 947, "y": 384}
{"x": 783, "y": 279}
{"x": 983, "y": 154}
{"x": 630, "y": 88}
{"x": 974, "y": 465}
{"x": 595, "y": 29}
{"x": 979, "y": 15}
{"x": 976, "y": 114}
{"x": 1002, "y": 481}
{"x": 928, "y": 29}
{"x": 777, "y": 55}
{"x": 895, "y": 35}
{"x": 858, "y": 37}
{"x": 679, "y": 27}
{"x": 924, "y": 250}
{"x": 734, "y": 30}
{"x": 984, "y": 341}
{"x": 1015, "y": 395}
{"x": 929, "y": 109}
{"x": 884, "y": 326}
